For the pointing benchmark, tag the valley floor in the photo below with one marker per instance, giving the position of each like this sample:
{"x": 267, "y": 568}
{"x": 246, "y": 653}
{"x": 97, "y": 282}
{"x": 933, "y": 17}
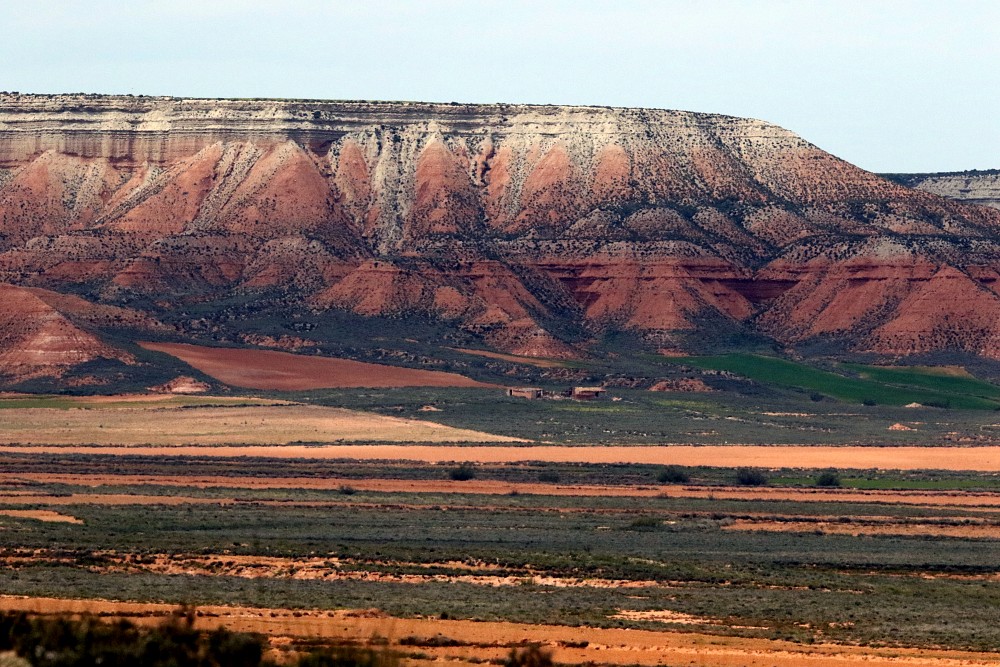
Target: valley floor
{"x": 601, "y": 555}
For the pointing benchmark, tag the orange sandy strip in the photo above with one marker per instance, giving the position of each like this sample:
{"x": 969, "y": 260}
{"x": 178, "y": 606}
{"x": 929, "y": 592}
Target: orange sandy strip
{"x": 492, "y": 487}
{"x": 986, "y": 459}
{"x": 109, "y": 499}
{"x": 916, "y": 529}
{"x": 41, "y": 515}
{"x": 268, "y": 369}
{"x": 493, "y": 639}
{"x": 513, "y": 358}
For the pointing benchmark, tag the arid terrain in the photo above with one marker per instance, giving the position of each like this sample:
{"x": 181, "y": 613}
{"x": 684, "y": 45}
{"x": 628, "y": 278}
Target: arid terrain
{"x": 400, "y": 232}
{"x": 595, "y": 554}
{"x": 265, "y": 369}
{"x": 641, "y": 387}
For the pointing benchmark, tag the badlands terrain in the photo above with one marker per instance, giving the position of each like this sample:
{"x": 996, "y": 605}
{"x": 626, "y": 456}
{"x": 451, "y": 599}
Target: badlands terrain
{"x": 364, "y": 229}
{"x": 254, "y": 357}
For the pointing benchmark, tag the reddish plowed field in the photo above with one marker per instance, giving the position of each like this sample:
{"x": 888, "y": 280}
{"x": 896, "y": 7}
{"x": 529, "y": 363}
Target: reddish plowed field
{"x": 985, "y": 459}
{"x": 268, "y": 369}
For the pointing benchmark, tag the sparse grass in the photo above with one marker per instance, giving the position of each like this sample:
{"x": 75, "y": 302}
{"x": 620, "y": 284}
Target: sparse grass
{"x": 772, "y": 416}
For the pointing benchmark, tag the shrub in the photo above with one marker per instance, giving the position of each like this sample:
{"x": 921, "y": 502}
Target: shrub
{"x": 347, "y": 490}
{"x": 462, "y": 473}
{"x": 645, "y": 523}
{"x": 348, "y": 656}
{"x": 673, "y": 475}
{"x": 67, "y": 642}
{"x": 750, "y": 477}
{"x": 530, "y": 656}
{"x": 816, "y": 397}
{"x": 828, "y": 478}
{"x": 869, "y": 402}
{"x": 548, "y": 476}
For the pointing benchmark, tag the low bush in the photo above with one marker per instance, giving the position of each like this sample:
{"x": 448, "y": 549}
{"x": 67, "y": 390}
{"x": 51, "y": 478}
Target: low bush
{"x": 673, "y": 475}
{"x": 462, "y": 473}
{"x": 828, "y": 478}
{"x": 530, "y": 656}
{"x": 750, "y": 477}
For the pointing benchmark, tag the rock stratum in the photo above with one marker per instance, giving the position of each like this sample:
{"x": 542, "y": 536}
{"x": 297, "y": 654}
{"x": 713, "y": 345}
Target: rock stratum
{"x": 512, "y": 224}
{"x": 976, "y": 187}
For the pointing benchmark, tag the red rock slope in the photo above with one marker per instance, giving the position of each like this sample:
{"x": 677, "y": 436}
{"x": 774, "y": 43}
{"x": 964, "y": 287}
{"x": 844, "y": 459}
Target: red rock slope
{"x": 497, "y": 219}
{"x": 37, "y": 338}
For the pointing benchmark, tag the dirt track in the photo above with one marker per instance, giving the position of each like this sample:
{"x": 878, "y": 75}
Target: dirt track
{"x": 492, "y": 640}
{"x": 267, "y": 369}
{"x": 985, "y": 459}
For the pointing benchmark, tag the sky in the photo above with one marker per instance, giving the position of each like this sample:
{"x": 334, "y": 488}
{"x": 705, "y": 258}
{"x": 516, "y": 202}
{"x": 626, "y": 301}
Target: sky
{"x": 890, "y": 85}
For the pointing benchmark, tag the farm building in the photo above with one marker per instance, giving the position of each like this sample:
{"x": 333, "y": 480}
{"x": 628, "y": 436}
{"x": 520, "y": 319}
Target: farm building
{"x": 587, "y": 393}
{"x": 524, "y": 392}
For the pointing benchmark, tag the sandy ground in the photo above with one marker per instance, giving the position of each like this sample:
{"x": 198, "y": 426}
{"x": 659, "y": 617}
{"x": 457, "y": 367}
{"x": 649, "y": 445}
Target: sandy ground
{"x": 255, "y": 425}
{"x": 490, "y": 640}
{"x": 41, "y": 515}
{"x": 987, "y": 531}
{"x": 492, "y": 487}
{"x": 528, "y": 361}
{"x": 266, "y": 369}
{"x": 985, "y": 459}
{"x": 323, "y": 569}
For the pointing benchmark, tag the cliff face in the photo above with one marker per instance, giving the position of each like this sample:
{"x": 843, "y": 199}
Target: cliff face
{"x": 974, "y": 187}
{"x": 497, "y": 219}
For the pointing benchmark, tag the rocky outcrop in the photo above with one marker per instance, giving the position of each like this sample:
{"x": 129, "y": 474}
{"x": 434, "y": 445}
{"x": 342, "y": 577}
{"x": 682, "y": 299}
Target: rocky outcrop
{"x": 501, "y": 220}
{"x": 39, "y": 338}
{"x": 182, "y": 385}
{"x": 975, "y": 187}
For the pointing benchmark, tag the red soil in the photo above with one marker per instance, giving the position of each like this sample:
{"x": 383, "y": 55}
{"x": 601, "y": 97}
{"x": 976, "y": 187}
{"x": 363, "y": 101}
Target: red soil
{"x": 965, "y": 499}
{"x": 986, "y": 459}
{"x": 265, "y": 369}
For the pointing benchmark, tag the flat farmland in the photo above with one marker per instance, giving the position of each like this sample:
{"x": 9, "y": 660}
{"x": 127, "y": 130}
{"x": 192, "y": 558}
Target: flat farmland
{"x": 130, "y": 423}
{"x": 847, "y": 457}
{"x": 273, "y": 516}
{"x": 471, "y": 642}
{"x": 270, "y": 370}
{"x": 700, "y": 573}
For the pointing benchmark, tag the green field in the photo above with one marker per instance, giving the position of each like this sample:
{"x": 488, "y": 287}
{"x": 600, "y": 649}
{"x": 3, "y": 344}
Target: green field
{"x": 874, "y": 385}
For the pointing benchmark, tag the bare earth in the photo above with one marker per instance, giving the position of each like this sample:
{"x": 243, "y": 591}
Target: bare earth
{"x": 513, "y": 358}
{"x": 978, "y": 531}
{"x": 255, "y": 425}
{"x": 986, "y": 459}
{"x": 492, "y": 640}
{"x": 268, "y": 369}
{"x": 41, "y": 515}
{"x": 493, "y": 487}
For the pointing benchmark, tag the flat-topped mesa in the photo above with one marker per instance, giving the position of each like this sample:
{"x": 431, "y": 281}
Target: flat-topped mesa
{"x": 161, "y": 129}
{"x": 492, "y": 218}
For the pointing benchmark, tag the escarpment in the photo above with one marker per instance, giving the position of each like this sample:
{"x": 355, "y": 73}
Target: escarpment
{"x": 514, "y": 224}
{"x": 975, "y": 187}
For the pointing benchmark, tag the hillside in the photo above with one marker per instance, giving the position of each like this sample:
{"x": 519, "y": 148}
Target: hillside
{"x": 536, "y": 231}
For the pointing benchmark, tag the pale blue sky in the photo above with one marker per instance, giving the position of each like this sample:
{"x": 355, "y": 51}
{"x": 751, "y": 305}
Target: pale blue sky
{"x": 890, "y": 85}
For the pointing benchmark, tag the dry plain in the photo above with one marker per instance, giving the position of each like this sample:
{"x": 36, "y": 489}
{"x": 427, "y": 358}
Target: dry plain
{"x": 460, "y": 571}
